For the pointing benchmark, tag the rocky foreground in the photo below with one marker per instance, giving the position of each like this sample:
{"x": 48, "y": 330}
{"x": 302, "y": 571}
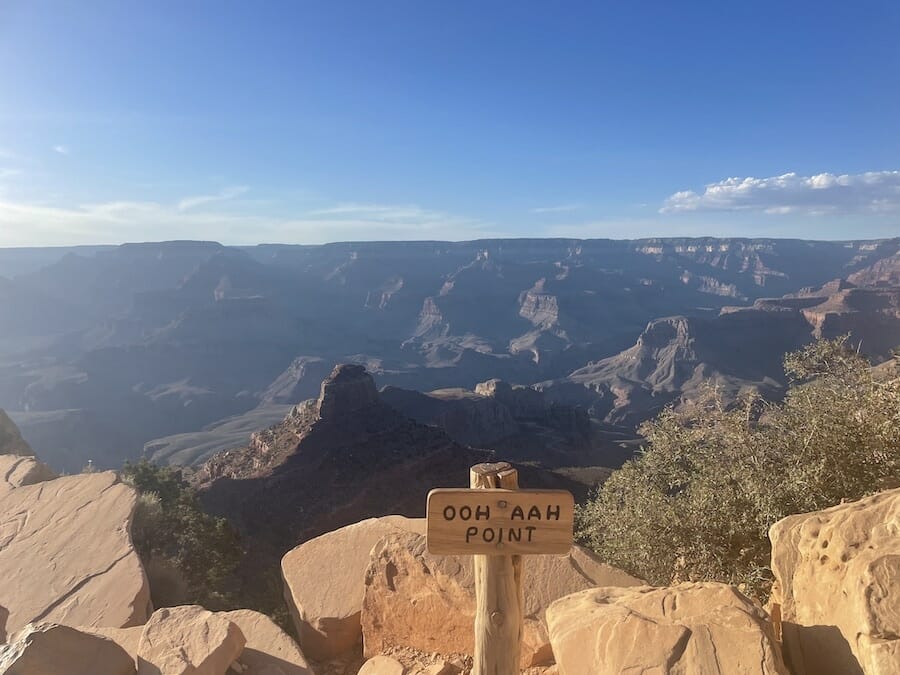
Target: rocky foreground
{"x": 369, "y": 599}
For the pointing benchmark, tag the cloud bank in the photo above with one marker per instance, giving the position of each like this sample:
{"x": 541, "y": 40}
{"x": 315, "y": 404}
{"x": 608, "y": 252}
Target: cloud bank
{"x": 196, "y": 217}
{"x": 870, "y": 193}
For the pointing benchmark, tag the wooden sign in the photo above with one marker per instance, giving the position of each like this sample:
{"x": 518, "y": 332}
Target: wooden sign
{"x": 499, "y": 522}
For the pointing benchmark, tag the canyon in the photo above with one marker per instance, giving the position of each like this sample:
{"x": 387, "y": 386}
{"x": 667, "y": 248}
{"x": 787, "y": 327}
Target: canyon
{"x": 179, "y": 350}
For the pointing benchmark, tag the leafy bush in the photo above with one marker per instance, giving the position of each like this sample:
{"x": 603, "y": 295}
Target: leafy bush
{"x": 698, "y": 501}
{"x": 170, "y": 527}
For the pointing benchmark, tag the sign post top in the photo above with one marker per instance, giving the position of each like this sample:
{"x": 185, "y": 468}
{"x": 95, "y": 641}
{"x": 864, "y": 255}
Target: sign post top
{"x": 499, "y": 522}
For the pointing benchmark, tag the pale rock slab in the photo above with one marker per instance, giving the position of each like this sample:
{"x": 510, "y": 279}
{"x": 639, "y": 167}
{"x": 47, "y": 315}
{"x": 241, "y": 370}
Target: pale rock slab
{"x": 324, "y": 586}
{"x": 188, "y": 640}
{"x": 18, "y": 470}
{"x": 427, "y": 602}
{"x": 268, "y": 649}
{"x": 128, "y": 639}
{"x": 689, "y": 629}
{"x": 382, "y": 665}
{"x": 51, "y": 649}
{"x": 837, "y": 586}
{"x": 66, "y": 555}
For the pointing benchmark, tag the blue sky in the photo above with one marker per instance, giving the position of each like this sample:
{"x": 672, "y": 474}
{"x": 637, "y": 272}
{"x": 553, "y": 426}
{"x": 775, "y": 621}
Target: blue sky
{"x": 304, "y": 122}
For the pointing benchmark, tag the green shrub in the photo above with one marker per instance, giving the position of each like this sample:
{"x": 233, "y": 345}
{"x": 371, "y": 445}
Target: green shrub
{"x": 170, "y": 526}
{"x": 697, "y": 502}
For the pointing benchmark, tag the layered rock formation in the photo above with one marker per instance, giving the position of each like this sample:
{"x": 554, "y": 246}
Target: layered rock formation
{"x": 467, "y": 418}
{"x": 690, "y": 629}
{"x": 740, "y": 348}
{"x": 66, "y": 554}
{"x": 331, "y": 462}
{"x": 837, "y": 588}
{"x": 118, "y": 346}
{"x": 515, "y": 420}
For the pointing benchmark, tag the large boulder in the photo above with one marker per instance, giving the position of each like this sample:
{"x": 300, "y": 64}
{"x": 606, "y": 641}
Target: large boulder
{"x": 837, "y": 587}
{"x": 66, "y": 555}
{"x": 690, "y": 629}
{"x": 426, "y": 602}
{"x": 19, "y": 470}
{"x": 128, "y": 639}
{"x": 51, "y": 649}
{"x": 11, "y": 441}
{"x": 324, "y": 586}
{"x": 268, "y": 649}
{"x": 188, "y": 640}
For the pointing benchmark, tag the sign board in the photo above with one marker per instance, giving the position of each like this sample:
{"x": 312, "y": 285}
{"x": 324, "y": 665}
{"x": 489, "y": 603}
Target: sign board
{"x": 499, "y": 522}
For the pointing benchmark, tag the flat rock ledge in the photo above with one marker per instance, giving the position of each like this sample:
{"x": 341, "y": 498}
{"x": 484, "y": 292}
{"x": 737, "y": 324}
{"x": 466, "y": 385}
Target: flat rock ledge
{"x": 66, "y": 554}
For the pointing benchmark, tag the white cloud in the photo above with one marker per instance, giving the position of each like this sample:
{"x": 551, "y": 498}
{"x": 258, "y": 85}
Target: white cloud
{"x": 401, "y": 218}
{"x": 8, "y": 173}
{"x": 32, "y": 224}
{"x": 556, "y": 209}
{"x": 380, "y": 212}
{"x": 874, "y": 192}
{"x": 61, "y": 149}
{"x": 222, "y": 195}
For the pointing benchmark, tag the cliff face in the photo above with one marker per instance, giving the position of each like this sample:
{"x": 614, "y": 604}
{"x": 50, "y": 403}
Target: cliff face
{"x": 740, "y": 348}
{"x": 11, "y": 441}
{"x": 333, "y": 461}
{"x": 150, "y": 341}
{"x": 516, "y": 422}
{"x": 342, "y": 457}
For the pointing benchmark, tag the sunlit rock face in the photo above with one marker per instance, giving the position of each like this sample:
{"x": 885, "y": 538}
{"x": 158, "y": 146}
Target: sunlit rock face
{"x": 837, "y": 586}
{"x": 66, "y": 554}
{"x": 695, "y": 629}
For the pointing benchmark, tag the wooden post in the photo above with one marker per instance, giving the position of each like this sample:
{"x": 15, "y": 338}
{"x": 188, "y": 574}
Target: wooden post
{"x": 499, "y": 603}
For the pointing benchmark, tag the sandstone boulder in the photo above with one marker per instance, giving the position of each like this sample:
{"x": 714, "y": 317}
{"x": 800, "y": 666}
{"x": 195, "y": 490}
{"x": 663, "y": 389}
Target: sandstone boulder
{"x": 426, "y": 602}
{"x": 19, "y": 470}
{"x": 51, "y": 649}
{"x": 188, "y": 640}
{"x": 11, "y": 441}
{"x": 837, "y": 577}
{"x": 268, "y": 649}
{"x": 128, "y": 639}
{"x": 66, "y": 554}
{"x": 690, "y": 629}
{"x": 382, "y": 665}
{"x": 324, "y": 586}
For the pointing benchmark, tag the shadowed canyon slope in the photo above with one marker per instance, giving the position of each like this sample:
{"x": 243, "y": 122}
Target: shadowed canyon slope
{"x": 104, "y": 350}
{"x": 335, "y": 460}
